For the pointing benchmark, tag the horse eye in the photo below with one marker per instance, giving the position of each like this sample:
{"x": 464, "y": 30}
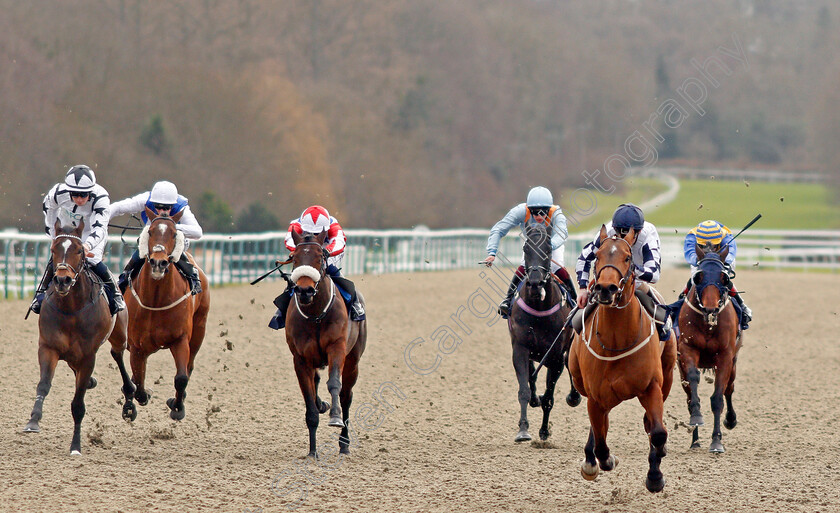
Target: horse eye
{"x": 627, "y": 259}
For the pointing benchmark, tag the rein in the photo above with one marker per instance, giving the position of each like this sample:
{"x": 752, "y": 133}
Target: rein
{"x": 157, "y": 309}
{"x": 625, "y": 277}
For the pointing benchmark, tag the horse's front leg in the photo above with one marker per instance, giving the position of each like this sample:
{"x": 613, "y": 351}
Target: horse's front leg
{"x": 181, "y": 353}
{"x": 573, "y": 398}
{"x": 77, "y": 406}
{"x": 47, "y": 360}
{"x": 547, "y": 400}
{"x": 336, "y": 359}
{"x": 534, "y": 401}
{"x": 723, "y": 364}
{"x": 652, "y": 403}
{"x": 306, "y": 381}
{"x": 520, "y": 365}
{"x": 731, "y": 419}
{"x": 129, "y": 411}
{"x": 596, "y": 446}
{"x": 691, "y": 380}
{"x": 137, "y": 359}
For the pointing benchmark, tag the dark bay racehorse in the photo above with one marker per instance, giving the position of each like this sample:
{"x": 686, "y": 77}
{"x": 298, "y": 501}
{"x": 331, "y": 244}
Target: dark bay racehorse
{"x": 709, "y": 339}
{"x": 319, "y": 333}
{"x": 618, "y": 356}
{"x": 162, "y": 311}
{"x": 536, "y": 320}
{"x": 74, "y": 322}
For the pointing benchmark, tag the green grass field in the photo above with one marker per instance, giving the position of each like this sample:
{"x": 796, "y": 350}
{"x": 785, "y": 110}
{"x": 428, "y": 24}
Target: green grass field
{"x": 782, "y": 205}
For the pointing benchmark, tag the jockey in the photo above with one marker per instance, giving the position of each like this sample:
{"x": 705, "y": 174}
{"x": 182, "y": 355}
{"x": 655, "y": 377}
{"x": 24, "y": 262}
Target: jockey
{"x": 712, "y": 233}
{"x": 314, "y": 220}
{"x": 80, "y": 198}
{"x": 162, "y": 199}
{"x": 538, "y": 208}
{"x": 647, "y": 261}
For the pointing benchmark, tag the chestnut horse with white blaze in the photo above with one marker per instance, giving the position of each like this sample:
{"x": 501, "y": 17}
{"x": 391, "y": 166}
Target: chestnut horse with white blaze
{"x": 163, "y": 313}
{"x": 74, "y": 321}
{"x": 319, "y": 333}
{"x": 709, "y": 339}
{"x": 618, "y": 356}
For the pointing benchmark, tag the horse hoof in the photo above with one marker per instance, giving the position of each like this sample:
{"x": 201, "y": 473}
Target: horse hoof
{"x": 544, "y": 434}
{"x": 176, "y": 413}
{"x": 535, "y": 402}
{"x": 129, "y": 412}
{"x": 32, "y": 427}
{"x": 589, "y": 472}
{"x": 730, "y": 424}
{"x": 655, "y": 486}
{"x": 323, "y": 407}
{"x": 312, "y": 455}
{"x": 92, "y": 383}
{"x": 522, "y": 436}
{"x": 610, "y": 464}
{"x": 696, "y": 420}
{"x": 573, "y": 400}
{"x": 75, "y": 452}
{"x": 716, "y": 447}
{"x": 695, "y": 445}
{"x": 336, "y": 422}
{"x": 344, "y": 450}
{"x": 142, "y": 397}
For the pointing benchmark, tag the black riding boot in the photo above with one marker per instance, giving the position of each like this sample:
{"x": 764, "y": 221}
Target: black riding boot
{"x": 504, "y": 306}
{"x": 115, "y": 298}
{"x": 570, "y": 287}
{"x": 282, "y": 303}
{"x": 130, "y": 271}
{"x": 746, "y": 313}
{"x": 190, "y": 273}
{"x": 354, "y": 307}
{"x": 42, "y": 290}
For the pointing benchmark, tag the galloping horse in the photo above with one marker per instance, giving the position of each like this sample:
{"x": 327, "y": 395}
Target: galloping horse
{"x": 162, "y": 312}
{"x": 618, "y": 356}
{"x": 74, "y": 322}
{"x": 319, "y": 333}
{"x": 536, "y": 320}
{"x": 709, "y": 339}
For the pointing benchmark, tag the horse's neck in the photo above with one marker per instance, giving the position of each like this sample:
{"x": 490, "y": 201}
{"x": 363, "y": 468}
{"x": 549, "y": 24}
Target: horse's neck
{"x": 80, "y": 296}
{"x": 618, "y": 326}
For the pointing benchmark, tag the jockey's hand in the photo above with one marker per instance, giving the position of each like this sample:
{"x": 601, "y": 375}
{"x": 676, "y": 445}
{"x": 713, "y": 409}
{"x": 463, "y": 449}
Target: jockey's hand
{"x": 583, "y": 298}
{"x": 88, "y": 252}
{"x": 489, "y": 260}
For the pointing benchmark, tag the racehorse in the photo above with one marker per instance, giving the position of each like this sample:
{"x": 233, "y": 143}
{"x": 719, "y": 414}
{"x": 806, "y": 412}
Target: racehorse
{"x": 162, "y": 311}
{"x": 74, "y": 321}
{"x": 709, "y": 339}
{"x": 319, "y": 333}
{"x": 618, "y": 356}
{"x": 535, "y": 322}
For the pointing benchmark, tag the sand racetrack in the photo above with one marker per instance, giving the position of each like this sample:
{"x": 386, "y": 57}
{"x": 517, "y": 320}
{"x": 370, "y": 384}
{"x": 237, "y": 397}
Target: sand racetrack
{"x": 448, "y": 445}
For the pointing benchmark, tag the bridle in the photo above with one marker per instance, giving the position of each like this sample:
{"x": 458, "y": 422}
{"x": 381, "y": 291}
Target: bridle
{"x": 626, "y": 277}
{"x": 710, "y": 315}
{"x": 322, "y": 271}
{"x": 63, "y": 265}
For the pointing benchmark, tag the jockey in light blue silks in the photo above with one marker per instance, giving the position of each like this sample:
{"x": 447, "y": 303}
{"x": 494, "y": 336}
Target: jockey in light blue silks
{"x": 539, "y": 208}
{"x": 712, "y": 233}
{"x": 81, "y": 198}
{"x": 162, "y": 199}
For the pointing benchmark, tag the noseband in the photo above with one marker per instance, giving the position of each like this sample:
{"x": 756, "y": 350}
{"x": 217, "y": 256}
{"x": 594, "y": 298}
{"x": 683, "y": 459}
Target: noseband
{"x": 65, "y": 266}
{"x": 710, "y": 315}
{"x": 626, "y": 277}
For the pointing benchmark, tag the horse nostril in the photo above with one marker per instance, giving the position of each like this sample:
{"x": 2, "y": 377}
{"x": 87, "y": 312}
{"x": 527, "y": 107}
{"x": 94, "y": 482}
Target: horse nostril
{"x": 613, "y": 288}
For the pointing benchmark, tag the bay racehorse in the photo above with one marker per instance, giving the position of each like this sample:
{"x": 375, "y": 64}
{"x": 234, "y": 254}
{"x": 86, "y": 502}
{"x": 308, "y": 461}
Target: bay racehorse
{"x": 618, "y": 356}
{"x": 536, "y": 321}
{"x": 319, "y": 333}
{"x": 162, "y": 311}
{"x": 709, "y": 339}
{"x": 74, "y": 321}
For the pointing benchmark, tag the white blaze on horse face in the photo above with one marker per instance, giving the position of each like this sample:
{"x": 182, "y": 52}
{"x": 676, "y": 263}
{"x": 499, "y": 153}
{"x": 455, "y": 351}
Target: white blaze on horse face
{"x": 613, "y": 250}
{"x": 66, "y": 245}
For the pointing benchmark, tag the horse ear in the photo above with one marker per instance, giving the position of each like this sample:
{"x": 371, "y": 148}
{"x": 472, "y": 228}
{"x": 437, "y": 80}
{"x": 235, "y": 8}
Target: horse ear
{"x": 57, "y": 226}
{"x": 321, "y": 237}
{"x": 151, "y": 215}
{"x": 603, "y": 235}
{"x": 630, "y": 236}
{"x": 723, "y": 254}
{"x": 296, "y": 237}
{"x": 177, "y": 217}
{"x": 701, "y": 254}
{"x": 79, "y": 229}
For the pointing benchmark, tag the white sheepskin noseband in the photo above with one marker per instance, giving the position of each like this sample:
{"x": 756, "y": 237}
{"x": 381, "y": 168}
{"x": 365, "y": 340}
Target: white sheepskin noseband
{"x": 308, "y": 271}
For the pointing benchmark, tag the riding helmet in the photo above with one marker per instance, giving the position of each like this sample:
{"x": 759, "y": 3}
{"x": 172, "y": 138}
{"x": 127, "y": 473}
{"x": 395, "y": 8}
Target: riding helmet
{"x": 80, "y": 178}
{"x": 628, "y": 216}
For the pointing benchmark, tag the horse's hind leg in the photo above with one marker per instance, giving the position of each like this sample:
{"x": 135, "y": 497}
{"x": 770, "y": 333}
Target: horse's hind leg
{"x": 47, "y": 360}
{"x": 118, "y": 346}
{"x": 547, "y": 400}
{"x": 77, "y": 406}
{"x": 731, "y": 419}
{"x": 534, "y": 401}
{"x": 652, "y": 403}
{"x": 573, "y": 398}
{"x": 321, "y": 405}
{"x": 336, "y": 359}
{"x": 596, "y": 447}
{"x": 181, "y": 352}
{"x": 520, "y": 365}
{"x": 724, "y": 370}
{"x": 138, "y": 375}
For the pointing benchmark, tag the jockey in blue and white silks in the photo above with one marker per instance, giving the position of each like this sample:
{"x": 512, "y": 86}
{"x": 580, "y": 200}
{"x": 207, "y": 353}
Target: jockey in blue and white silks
{"x": 539, "y": 208}
{"x": 647, "y": 259}
{"x": 80, "y": 198}
{"x": 713, "y": 233}
{"x": 162, "y": 199}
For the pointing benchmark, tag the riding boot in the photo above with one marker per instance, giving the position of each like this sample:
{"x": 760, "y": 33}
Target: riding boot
{"x": 115, "y": 298}
{"x": 504, "y": 306}
{"x": 354, "y": 307}
{"x": 282, "y": 303}
{"x": 130, "y": 271}
{"x": 42, "y": 289}
{"x": 745, "y": 312}
{"x": 190, "y": 272}
{"x": 568, "y": 284}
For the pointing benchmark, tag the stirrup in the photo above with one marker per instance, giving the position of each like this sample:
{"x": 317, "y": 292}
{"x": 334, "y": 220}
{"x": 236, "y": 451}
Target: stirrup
{"x": 504, "y": 308}
{"x": 357, "y": 311}
{"x": 195, "y": 285}
{"x": 36, "y": 303}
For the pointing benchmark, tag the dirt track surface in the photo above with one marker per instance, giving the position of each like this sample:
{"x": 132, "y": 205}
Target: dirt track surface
{"x": 448, "y": 445}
